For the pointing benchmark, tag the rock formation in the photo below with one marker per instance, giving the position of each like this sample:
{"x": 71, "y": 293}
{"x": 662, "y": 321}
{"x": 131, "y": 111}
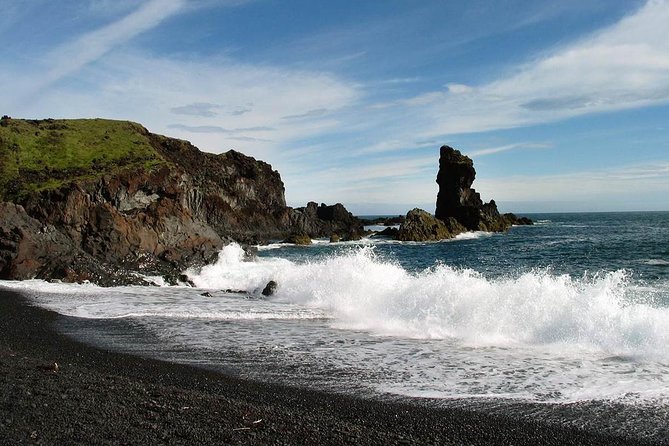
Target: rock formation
{"x": 459, "y": 207}
{"x": 456, "y": 198}
{"x": 323, "y": 220}
{"x": 98, "y": 199}
{"x": 420, "y": 225}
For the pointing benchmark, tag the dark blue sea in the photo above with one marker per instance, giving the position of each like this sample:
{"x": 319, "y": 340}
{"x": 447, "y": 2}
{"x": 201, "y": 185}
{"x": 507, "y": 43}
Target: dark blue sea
{"x": 572, "y": 310}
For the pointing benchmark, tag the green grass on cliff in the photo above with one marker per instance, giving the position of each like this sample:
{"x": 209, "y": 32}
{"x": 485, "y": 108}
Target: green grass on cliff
{"x": 39, "y": 155}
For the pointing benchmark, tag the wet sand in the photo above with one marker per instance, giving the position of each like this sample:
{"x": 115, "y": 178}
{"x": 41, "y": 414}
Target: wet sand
{"x": 94, "y": 396}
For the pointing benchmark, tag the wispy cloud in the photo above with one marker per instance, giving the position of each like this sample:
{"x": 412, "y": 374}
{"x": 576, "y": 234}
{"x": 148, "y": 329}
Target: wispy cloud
{"x": 218, "y": 129}
{"x": 89, "y": 47}
{"x": 200, "y": 128}
{"x": 132, "y": 85}
{"x": 204, "y": 109}
{"x": 508, "y": 147}
{"x": 623, "y": 66}
{"x": 309, "y": 114}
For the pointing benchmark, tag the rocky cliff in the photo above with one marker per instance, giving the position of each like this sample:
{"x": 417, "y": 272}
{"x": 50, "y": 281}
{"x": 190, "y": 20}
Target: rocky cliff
{"x": 459, "y": 206}
{"x": 98, "y": 199}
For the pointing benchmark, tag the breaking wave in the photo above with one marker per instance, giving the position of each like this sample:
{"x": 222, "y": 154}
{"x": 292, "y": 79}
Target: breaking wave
{"x": 603, "y": 312}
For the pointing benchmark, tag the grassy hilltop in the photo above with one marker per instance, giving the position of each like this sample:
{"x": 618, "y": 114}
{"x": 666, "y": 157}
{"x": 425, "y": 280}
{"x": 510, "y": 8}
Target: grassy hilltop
{"x": 45, "y": 154}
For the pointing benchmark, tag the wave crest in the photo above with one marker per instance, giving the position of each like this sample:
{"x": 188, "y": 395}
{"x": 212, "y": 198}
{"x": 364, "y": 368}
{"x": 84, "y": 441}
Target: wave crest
{"x": 362, "y": 291}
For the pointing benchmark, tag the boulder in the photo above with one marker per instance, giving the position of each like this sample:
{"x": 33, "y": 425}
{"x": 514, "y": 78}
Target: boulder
{"x": 298, "y": 239}
{"x": 270, "y": 288}
{"x": 390, "y": 231}
{"x": 513, "y": 219}
{"x": 420, "y": 226}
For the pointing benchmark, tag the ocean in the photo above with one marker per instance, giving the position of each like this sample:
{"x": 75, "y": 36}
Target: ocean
{"x": 572, "y": 309}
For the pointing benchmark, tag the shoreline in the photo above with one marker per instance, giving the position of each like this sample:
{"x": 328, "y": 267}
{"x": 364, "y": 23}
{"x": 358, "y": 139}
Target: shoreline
{"x": 101, "y": 397}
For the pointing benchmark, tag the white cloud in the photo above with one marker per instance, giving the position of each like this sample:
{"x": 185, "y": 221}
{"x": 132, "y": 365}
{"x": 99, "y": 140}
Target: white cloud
{"x": 32, "y": 77}
{"x": 148, "y": 90}
{"x": 71, "y": 57}
{"x": 506, "y": 148}
{"x": 459, "y": 88}
{"x": 623, "y": 66}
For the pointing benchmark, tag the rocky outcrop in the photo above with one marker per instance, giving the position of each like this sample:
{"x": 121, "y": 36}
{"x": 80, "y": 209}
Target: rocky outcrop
{"x": 298, "y": 239}
{"x": 324, "y": 221}
{"x": 420, "y": 225}
{"x": 31, "y": 249}
{"x": 134, "y": 201}
{"x": 238, "y": 196}
{"x": 459, "y": 206}
{"x": 456, "y": 198}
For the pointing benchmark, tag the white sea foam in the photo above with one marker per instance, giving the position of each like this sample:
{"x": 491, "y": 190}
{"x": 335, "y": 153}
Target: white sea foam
{"x": 472, "y": 235}
{"x": 656, "y": 262}
{"x": 93, "y": 302}
{"x": 441, "y": 332}
{"x": 360, "y": 291}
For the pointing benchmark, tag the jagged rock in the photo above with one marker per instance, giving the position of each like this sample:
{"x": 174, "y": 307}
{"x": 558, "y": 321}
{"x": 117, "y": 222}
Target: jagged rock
{"x": 298, "y": 239}
{"x": 270, "y": 288}
{"x": 513, "y": 219}
{"x": 334, "y": 238}
{"x": 138, "y": 201}
{"x": 29, "y": 249}
{"x": 420, "y": 226}
{"x": 389, "y": 232}
{"x": 352, "y": 236}
{"x": 456, "y": 198}
{"x": 321, "y": 221}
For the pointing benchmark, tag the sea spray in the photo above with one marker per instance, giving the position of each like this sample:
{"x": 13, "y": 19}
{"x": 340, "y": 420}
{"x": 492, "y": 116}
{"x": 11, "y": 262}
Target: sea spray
{"x": 362, "y": 291}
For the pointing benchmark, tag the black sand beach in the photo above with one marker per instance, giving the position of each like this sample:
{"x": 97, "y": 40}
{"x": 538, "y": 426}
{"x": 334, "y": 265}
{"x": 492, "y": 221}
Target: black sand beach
{"x": 101, "y": 397}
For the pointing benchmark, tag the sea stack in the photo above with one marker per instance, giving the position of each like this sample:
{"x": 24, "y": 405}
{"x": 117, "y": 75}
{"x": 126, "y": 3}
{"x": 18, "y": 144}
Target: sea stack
{"x": 459, "y": 207}
{"x": 456, "y": 198}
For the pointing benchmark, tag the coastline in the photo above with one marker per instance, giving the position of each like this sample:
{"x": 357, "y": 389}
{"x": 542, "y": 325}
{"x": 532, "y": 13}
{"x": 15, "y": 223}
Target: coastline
{"x": 103, "y": 397}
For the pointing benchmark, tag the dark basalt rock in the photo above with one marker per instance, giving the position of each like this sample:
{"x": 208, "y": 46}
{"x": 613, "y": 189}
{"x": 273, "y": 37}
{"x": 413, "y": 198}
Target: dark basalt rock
{"x": 322, "y": 221}
{"x": 270, "y": 288}
{"x": 298, "y": 239}
{"x": 459, "y": 206}
{"x": 420, "y": 225}
{"x": 457, "y": 199}
{"x": 176, "y": 210}
{"x": 384, "y": 221}
{"x": 514, "y": 220}
{"x": 29, "y": 249}
{"x": 389, "y": 232}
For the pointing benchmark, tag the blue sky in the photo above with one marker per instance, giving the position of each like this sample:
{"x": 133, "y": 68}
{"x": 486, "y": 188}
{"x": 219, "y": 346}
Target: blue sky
{"x": 563, "y": 106}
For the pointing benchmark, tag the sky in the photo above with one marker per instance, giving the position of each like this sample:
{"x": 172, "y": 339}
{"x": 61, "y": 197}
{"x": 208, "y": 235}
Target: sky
{"x": 563, "y": 106}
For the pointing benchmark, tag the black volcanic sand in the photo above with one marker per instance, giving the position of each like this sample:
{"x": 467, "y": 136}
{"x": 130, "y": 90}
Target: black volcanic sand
{"x": 101, "y": 397}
